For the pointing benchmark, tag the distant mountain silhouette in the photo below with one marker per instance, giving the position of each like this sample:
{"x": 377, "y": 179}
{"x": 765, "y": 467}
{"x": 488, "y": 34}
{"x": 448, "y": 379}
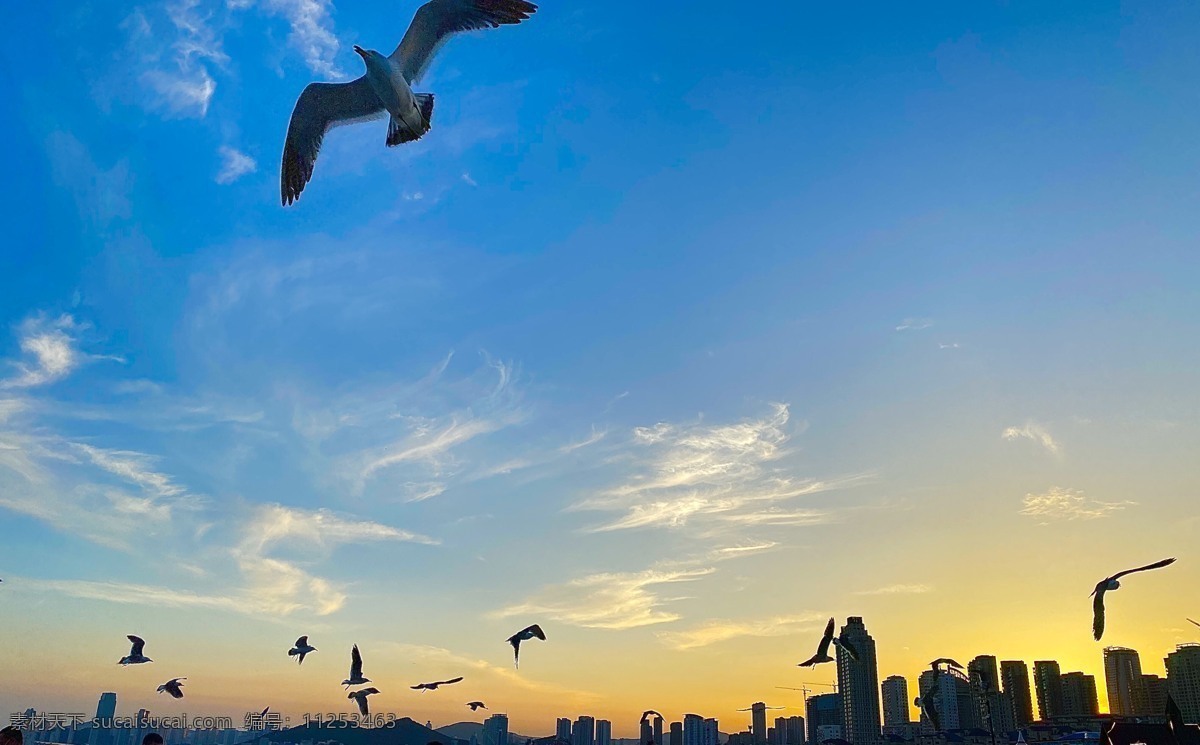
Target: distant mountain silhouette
{"x": 403, "y": 732}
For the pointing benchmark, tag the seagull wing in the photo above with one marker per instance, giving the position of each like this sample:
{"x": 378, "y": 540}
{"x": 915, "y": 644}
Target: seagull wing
{"x": 138, "y": 645}
{"x": 823, "y": 647}
{"x": 810, "y": 661}
{"x": 448, "y": 682}
{"x": 355, "y": 663}
{"x": 321, "y": 107}
{"x": 1098, "y": 615}
{"x": 302, "y": 642}
{"x": 537, "y": 631}
{"x": 361, "y": 698}
{"x": 1155, "y": 565}
{"x": 1197, "y": 623}
{"x": 437, "y": 20}
{"x": 847, "y": 647}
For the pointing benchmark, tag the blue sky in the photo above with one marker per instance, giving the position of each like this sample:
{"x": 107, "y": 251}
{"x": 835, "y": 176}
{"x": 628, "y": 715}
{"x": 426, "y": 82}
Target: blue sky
{"x": 667, "y": 308}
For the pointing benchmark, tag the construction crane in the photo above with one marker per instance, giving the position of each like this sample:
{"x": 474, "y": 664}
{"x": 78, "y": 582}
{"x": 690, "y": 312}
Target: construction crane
{"x": 806, "y": 690}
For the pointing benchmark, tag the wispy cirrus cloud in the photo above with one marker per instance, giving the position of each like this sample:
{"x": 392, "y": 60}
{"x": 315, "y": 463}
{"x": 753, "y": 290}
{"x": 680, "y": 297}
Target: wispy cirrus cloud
{"x": 717, "y": 631}
{"x": 1068, "y": 504}
{"x": 711, "y": 476}
{"x": 1035, "y": 432}
{"x": 50, "y": 347}
{"x": 234, "y": 165}
{"x": 898, "y": 589}
{"x": 914, "y": 324}
{"x": 310, "y": 33}
{"x": 610, "y": 600}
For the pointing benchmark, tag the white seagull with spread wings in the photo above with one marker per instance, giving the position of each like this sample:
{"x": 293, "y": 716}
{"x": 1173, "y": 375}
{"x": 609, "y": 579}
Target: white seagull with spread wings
{"x": 386, "y": 88}
{"x": 1110, "y": 583}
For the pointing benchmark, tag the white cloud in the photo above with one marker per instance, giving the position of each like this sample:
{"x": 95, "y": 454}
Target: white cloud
{"x": 50, "y": 350}
{"x": 466, "y": 177}
{"x": 614, "y": 600}
{"x": 133, "y": 467}
{"x": 716, "y": 476}
{"x": 234, "y": 165}
{"x": 899, "y": 589}
{"x": 311, "y": 32}
{"x": 1035, "y": 432}
{"x": 1068, "y": 504}
{"x": 716, "y": 631}
{"x": 914, "y": 324}
{"x": 274, "y": 523}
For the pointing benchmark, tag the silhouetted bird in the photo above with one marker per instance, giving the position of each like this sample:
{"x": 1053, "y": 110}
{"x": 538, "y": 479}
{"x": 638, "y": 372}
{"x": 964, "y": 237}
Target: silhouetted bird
{"x": 361, "y": 697}
{"x": 1195, "y": 622}
{"x": 768, "y": 707}
{"x": 944, "y": 661}
{"x": 385, "y": 88}
{"x": 135, "y": 656}
{"x": 530, "y": 632}
{"x": 926, "y": 704}
{"x": 356, "y": 674}
{"x": 822, "y": 654}
{"x": 646, "y": 714}
{"x": 173, "y": 687}
{"x": 434, "y": 686}
{"x": 302, "y": 648}
{"x": 1111, "y": 583}
{"x": 476, "y": 705}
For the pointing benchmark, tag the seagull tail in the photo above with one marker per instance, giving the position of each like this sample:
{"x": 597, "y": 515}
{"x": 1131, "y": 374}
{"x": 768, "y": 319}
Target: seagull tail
{"x": 399, "y": 132}
{"x": 425, "y": 104}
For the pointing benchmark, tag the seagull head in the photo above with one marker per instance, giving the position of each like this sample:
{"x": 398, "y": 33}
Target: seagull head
{"x": 368, "y": 55}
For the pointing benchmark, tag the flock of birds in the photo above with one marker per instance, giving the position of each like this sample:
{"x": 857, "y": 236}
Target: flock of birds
{"x": 137, "y": 656}
{"x": 386, "y": 87}
{"x": 926, "y": 700}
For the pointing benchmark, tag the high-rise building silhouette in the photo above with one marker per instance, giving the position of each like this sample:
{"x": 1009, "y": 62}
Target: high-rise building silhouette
{"x": 604, "y": 732}
{"x": 895, "y": 701}
{"x": 106, "y": 709}
{"x": 1047, "y": 680}
{"x": 858, "y": 684}
{"x": 1014, "y": 680}
{"x": 658, "y": 730}
{"x": 710, "y": 732}
{"x": 646, "y": 732}
{"x": 1183, "y": 680}
{"x": 495, "y": 730}
{"x": 583, "y": 732}
{"x": 693, "y": 729}
{"x": 562, "y": 731}
{"x": 953, "y": 700}
{"x": 758, "y": 722}
{"x": 794, "y": 730}
{"x": 1123, "y": 682}
{"x": 1079, "y": 695}
{"x": 1156, "y": 694}
{"x": 990, "y": 700}
{"x": 824, "y": 713}
{"x": 676, "y": 733}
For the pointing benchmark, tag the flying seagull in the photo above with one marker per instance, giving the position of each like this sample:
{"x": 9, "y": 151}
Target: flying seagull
{"x": 173, "y": 687}
{"x": 530, "y": 632}
{"x": 135, "y": 656}
{"x": 925, "y": 703}
{"x": 361, "y": 698}
{"x": 822, "y": 654}
{"x": 1111, "y": 583}
{"x": 769, "y": 707}
{"x": 356, "y": 674}
{"x": 646, "y": 715}
{"x": 434, "y": 685}
{"x": 844, "y": 645}
{"x": 476, "y": 705}
{"x": 302, "y": 648}
{"x": 385, "y": 88}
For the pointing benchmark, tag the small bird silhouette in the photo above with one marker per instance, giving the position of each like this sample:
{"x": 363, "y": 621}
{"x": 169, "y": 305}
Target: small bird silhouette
{"x": 356, "y": 674}
{"x": 173, "y": 687}
{"x": 302, "y": 648}
{"x": 646, "y": 715}
{"x": 434, "y": 685}
{"x": 385, "y": 89}
{"x": 822, "y": 654}
{"x": 135, "y": 656}
{"x": 361, "y": 697}
{"x": 529, "y": 632}
{"x": 768, "y": 707}
{"x": 476, "y": 705}
{"x": 1110, "y": 583}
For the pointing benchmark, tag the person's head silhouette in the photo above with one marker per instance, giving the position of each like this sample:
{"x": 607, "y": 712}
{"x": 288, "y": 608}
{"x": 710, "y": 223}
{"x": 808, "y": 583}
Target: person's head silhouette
{"x": 11, "y": 736}
{"x": 152, "y": 739}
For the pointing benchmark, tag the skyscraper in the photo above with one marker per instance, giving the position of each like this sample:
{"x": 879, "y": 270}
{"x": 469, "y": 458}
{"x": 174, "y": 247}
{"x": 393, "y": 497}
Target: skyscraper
{"x": 1123, "y": 680}
{"x": 106, "y": 709}
{"x": 823, "y": 711}
{"x": 1014, "y": 679}
{"x": 858, "y": 684}
{"x": 1047, "y": 679}
{"x": 495, "y": 730}
{"x": 1079, "y": 695}
{"x": 795, "y": 731}
{"x": 693, "y": 729}
{"x": 562, "y": 731}
{"x": 895, "y": 701}
{"x": 709, "y": 732}
{"x": 646, "y": 732}
{"x": 604, "y": 733}
{"x": 676, "y": 733}
{"x": 658, "y": 731}
{"x": 758, "y": 722}
{"x": 584, "y": 731}
{"x": 990, "y": 700}
{"x": 953, "y": 700}
{"x": 1183, "y": 680}
{"x": 1156, "y": 694}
